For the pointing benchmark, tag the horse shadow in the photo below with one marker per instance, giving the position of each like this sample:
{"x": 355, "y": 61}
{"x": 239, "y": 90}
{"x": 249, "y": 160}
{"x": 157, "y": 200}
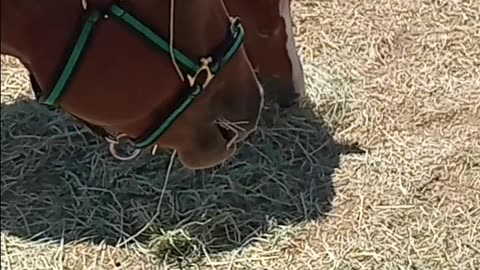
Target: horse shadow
{"x": 59, "y": 181}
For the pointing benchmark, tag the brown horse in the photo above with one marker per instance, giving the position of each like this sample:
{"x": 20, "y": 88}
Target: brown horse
{"x": 270, "y": 46}
{"x": 165, "y": 73}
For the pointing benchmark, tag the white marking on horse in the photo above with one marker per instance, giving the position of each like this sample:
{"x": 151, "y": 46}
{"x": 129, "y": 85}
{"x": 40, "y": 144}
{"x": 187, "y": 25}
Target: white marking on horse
{"x": 297, "y": 69}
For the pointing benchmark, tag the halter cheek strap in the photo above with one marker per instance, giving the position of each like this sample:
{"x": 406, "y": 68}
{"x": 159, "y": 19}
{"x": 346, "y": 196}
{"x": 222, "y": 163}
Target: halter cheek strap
{"x": 192, "y": 69}
{"x": 72, "y": 63}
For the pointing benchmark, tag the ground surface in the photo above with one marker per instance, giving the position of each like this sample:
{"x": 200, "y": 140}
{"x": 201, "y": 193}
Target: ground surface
{"x": 400, "y": 78}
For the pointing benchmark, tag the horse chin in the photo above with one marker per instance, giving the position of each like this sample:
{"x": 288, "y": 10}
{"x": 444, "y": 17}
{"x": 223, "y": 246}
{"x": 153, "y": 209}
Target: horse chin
{"x": 207, "y": 160}
{"x": 222, "y": 150}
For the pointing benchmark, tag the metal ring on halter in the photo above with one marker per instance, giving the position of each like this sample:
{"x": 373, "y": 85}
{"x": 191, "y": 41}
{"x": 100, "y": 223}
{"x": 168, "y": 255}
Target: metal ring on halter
{"x": 114, "y": 152}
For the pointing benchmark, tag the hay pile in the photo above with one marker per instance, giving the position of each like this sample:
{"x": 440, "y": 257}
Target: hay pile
{"x": 401, "y": 79}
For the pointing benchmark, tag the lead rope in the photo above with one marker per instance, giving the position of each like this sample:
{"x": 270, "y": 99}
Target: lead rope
{"x": 177, "y": 68}
{"x": 172, "y": 55}
{"x": 172, "y": 36}
{"x": 116, "y": 140}
{"x": 84, "y": 4}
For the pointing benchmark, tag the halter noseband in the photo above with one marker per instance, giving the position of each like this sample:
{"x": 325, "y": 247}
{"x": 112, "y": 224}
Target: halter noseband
{"x": 192, "y": 69}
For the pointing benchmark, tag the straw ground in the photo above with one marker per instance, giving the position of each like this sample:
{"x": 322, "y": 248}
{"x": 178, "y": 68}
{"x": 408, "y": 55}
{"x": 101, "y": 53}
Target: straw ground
{"x": 400, "y": 79}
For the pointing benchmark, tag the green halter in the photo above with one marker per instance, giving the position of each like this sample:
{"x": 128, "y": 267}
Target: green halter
{"x": 211, "y": 65}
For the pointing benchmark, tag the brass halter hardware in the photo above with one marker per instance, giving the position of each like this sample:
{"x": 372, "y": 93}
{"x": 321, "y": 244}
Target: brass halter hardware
{"x": 205, "y": 61}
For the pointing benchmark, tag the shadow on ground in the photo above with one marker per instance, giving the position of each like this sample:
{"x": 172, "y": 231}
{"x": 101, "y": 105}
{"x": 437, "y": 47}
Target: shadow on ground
{"x": 59, "y": 181}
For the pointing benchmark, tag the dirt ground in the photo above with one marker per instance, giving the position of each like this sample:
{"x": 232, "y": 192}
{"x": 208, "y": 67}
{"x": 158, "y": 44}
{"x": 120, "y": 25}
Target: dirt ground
{"x": 398, "y": 79}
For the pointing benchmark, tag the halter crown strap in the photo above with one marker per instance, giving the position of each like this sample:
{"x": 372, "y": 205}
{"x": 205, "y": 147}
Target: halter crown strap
{"x": 211, "y": 64}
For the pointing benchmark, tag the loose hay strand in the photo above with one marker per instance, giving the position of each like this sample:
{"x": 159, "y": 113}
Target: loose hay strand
{"x": 171, "y": 40}
{"x": 157, "y": 213}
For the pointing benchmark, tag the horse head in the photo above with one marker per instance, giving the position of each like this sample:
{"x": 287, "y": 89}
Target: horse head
{"x": 161, "y": 73}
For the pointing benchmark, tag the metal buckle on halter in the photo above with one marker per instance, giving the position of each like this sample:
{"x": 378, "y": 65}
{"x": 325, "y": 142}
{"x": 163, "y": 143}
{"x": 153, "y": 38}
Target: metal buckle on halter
{"x": 192, "y": 80}
{"x": 115, "y": 141}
